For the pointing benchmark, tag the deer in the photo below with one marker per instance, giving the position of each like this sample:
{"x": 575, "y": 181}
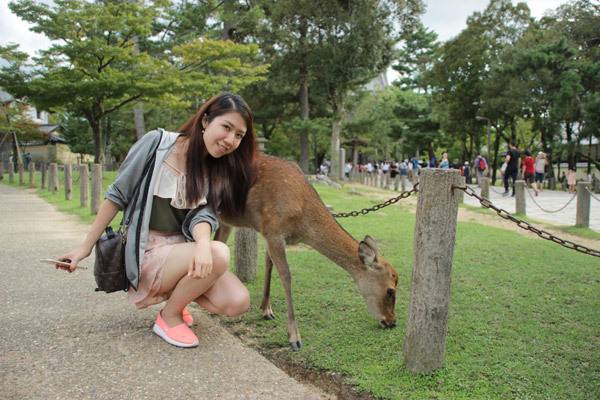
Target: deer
{"x": 285, "y": 209}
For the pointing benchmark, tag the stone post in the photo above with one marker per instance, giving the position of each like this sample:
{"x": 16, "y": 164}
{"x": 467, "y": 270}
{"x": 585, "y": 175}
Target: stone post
{"x": 83, "y": 184}
{"x": 582, "y": 217}
{"x": 246, "y": 244}
{"x": 31, "y": 174}
{"x": 96, "y": 188}
{"x": 520, "y": 197}
{"x": 11, "y": 172}
{"x": 68, "y": 181}
{"x": 484, "y": 183}
{"x": 434, "y": 238}
{"x": 21, "y": 169}
{"x": 53, "y": 182}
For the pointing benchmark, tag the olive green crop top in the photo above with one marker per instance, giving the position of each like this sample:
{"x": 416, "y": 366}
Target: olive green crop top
{"x": 164, "y": 217}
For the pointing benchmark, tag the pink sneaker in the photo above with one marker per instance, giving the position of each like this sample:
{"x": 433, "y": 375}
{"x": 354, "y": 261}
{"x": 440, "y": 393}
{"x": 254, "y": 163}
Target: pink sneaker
{"x": 180, "y": 335}
{"x": 187, "y": 317}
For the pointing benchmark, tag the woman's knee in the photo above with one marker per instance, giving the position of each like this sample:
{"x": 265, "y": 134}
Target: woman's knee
{"x": 220, "y": 256}
{"x": 238, "y": 304}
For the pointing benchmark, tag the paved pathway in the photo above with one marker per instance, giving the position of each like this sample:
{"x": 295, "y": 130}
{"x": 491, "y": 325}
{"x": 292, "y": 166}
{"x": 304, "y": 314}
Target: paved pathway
{"x": 60, "y": 340}
{"x": 549, "y": 200}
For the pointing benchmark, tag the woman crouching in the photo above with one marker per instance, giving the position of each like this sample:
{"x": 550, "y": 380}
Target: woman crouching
{"x": 205, "y": 167}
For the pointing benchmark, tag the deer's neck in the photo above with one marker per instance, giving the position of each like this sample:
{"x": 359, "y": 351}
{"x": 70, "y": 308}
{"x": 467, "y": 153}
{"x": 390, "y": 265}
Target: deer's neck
{"x": 331, "y": 240}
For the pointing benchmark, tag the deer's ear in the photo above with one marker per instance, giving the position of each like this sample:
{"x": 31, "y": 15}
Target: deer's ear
{"x": 367, "y": 251}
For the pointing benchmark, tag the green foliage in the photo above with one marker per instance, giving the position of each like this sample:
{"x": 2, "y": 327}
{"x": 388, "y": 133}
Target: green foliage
{"x": 94, "y": 67}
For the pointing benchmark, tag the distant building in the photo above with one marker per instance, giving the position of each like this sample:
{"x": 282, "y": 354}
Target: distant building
{"x": 52, "y": 147}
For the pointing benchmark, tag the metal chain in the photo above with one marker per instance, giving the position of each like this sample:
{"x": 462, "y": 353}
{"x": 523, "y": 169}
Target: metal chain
{"x": 549, "y": 211}
{"x": 376, "y": 207}
{"x": 527, "y": 226}
{"x": 495, "y": 191}
{"x": 592, "y": 194}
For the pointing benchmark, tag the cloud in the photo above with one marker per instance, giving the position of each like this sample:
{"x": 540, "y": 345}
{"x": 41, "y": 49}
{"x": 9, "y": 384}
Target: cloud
{"x": 448, "y": 18}
{"x": 15, "y": 30}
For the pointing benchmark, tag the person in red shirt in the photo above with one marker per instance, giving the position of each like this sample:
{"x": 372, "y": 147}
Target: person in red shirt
{"x": 528, "y": 167}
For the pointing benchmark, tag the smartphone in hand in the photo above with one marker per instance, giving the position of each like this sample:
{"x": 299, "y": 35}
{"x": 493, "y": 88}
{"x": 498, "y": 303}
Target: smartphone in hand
{"x": 66, "y": 264}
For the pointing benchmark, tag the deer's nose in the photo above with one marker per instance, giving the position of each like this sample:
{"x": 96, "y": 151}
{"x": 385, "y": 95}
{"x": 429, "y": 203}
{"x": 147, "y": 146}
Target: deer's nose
{"x": 387, "y": 324}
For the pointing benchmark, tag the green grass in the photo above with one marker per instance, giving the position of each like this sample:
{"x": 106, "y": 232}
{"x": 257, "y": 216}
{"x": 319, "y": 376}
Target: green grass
{"x": 580, "y": 231}
{"x": 524, "y": 317}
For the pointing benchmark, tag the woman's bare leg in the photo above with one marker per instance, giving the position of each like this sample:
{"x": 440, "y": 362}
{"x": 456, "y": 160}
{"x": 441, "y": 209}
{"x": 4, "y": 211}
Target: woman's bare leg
{"x": 183, "y": 289}
{"x": 228, "y": 296}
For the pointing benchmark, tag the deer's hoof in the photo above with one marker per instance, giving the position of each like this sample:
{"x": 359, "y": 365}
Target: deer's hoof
{"x": 296, "y": 345}
{"x": 269, "y": 316}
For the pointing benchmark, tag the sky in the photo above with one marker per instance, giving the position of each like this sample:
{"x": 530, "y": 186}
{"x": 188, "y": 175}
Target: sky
{"x": 446, "y": 17}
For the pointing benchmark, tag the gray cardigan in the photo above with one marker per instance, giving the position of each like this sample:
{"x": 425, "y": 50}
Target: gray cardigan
{"x": 121, "y": 191}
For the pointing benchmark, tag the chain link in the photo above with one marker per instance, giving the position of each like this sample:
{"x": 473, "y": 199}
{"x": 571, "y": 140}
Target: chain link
{"x": 549, "y": 211}
{"x": 527, "y": 226}
{"x": 376, "y": 207}
{"x": 592, "y": 194}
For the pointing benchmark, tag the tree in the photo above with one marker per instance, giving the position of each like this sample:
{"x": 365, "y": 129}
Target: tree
{"x": 468, "y": 78}
{"x": 415, "y": 58}
{"x": 92, "y": 70}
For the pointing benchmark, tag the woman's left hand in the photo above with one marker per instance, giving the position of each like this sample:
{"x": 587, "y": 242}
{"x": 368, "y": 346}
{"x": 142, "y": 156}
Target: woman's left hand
{"x": 202, "y": 263}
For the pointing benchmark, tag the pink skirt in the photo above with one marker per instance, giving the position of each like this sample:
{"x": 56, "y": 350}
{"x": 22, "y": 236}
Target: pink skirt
{"x": 157, "y": 250}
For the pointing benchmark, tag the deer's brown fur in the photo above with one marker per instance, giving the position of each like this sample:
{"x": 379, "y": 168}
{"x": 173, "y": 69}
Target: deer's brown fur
{"x": 285, "y": 209}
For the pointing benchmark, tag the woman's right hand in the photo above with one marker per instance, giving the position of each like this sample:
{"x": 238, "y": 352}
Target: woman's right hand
{"x": 73, "y": 257}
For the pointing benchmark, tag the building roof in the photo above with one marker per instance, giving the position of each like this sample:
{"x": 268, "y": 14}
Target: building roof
{"x": 6, "y": 97}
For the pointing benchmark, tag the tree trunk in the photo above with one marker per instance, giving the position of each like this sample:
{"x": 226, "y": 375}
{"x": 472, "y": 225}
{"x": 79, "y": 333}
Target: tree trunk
{"x": 138, "y": 118}
{"x": 138, "y": 110}
{"x": 304, "y": 114}
{"x": 304, "y": 105}
{"x": 98, "y": 141}
{"x": 494, "y": 164}
{"x": 335, "y": 142}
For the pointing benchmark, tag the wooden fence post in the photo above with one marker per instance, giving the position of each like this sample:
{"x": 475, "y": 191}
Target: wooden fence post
{"x": 1, "y": 170}
{"x": 246, "y": 244}
{"x": 484, "y": 183}
{"x": 460, "y": 193}
{"x": 31, "y": 174}
{"x": 96, "y": 188}
{"x": 582, "y": 216}
{"x": 434, "y": 238}
{"x": 68, "y": 181}
{"x": 83, "y": 184}
{"x": 44, "y": 171}
{"x": 11, "y": 172}
{"x": 53, "y": 182}
{"x": 21, "y": 169}
{"x": 520, "y": 197}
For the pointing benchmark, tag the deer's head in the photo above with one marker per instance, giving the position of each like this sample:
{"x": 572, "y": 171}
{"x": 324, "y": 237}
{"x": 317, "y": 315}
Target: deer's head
{"x": 376, "y": 280}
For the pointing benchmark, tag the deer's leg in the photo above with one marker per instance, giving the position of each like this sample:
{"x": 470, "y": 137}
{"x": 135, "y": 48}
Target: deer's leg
{"x": 266, "y": 302}
{"x": 276, "y": 248}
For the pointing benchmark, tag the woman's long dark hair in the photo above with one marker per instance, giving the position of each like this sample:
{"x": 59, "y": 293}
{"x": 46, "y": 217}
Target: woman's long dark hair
{"x": 229, "y": 177}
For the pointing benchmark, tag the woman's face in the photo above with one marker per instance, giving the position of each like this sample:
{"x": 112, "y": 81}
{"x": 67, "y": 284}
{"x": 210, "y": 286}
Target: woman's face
{"x": 224, "y": 133}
